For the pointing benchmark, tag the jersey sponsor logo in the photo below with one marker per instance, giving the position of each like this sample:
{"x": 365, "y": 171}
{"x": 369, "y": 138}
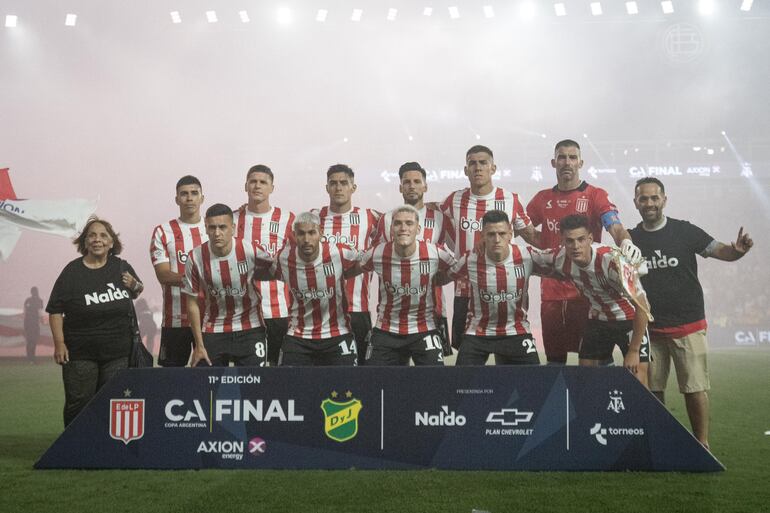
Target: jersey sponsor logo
{"x": 10, "y": 207}
{"x": 602, "y": 434}
{"x": 428, "y": 224}
{"x": 341, "y": 418}
{"x": 113, "y": 294}
{"x": 470, "y": 225}
{"x": 126, "y": 419}
{"x": 581, "y": 205}
{"x": 518, "y": 271}
{"x": 270, "y": 248}
{"x": 228, "y": 291}
{"x": 443, "y": 418}
{"x": 499, "y": 296}
{"x": 338, "y": 238}
{"x": 274, "y": 227}
{"x": 563, "y": 203}
{"x": 243, "y": 267}
{"x": 548, "y": 204}
{"x": 661, "y": 261}
{"x": 404, "y": 290}
{"x": 181, "y": 256}
{"x": 181, "y": 414}
{"x": 552, "y": 224}
{"x": 308, "y": 294}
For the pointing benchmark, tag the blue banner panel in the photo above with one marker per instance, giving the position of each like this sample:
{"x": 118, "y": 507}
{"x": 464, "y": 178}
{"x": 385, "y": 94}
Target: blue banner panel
{"x": 490, "y": 418}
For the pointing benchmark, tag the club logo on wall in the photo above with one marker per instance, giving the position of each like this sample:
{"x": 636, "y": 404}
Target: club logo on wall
{"x": 341, "y": 418}
{"x": 126, "y": 419}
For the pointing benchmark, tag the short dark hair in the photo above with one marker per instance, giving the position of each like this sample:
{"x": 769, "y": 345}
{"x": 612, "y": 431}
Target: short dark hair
{"x": 478, "y": 149}
{"x": 411, "y": 166}
{"x": 260, "y": 168}
{"x": 340, "y": 168}
{"x": 566, "y": 143}
{"x": 188, "y": 180}
{"x": 495, "y": 216}
{"x": 80, "y": 241}
{"x": 650, "y": 179}
{"x": 219, "y": 209}
{"x": 573, "y": 222}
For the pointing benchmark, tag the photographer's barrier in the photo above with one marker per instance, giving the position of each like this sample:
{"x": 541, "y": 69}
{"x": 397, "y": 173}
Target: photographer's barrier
{"x": 491, "y": 418}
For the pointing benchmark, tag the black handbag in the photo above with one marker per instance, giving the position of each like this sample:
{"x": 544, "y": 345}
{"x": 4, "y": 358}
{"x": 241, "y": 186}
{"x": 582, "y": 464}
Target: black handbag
{"x": 139, "y": 357}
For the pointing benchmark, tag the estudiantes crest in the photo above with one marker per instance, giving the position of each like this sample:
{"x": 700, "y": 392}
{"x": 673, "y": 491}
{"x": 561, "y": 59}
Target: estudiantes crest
{"x": 126, "y": 419}
{"x": 341, "y": 419}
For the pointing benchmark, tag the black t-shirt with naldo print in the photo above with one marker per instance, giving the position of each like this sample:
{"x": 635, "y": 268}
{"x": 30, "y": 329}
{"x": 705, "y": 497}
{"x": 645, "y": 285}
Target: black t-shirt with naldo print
{"x": 96, "y": 307}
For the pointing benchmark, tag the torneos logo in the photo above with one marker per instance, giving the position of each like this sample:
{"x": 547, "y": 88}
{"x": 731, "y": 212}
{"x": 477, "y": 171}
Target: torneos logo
{"x": 601, "y": 433}
{"x": 661, "y": 261}
{"x": 404, "y": 290}
{"x": 470, "y": 225}
{"x": 308, "y": 294}
{"x": 499, "y": 297}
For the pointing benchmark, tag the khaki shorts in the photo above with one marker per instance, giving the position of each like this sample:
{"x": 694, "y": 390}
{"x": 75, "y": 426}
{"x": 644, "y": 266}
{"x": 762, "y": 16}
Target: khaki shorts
{"x": 689, "y": 356}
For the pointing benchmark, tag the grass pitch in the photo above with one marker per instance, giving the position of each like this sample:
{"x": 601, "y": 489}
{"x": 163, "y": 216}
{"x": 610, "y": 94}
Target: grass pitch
{"x": 31, "y": 400}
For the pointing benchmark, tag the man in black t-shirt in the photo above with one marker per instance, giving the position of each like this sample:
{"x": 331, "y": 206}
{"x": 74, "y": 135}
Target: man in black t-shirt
{"x": 678, "y": 333}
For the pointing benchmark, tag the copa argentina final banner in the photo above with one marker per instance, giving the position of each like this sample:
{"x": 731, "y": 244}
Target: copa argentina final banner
{"x": 474, "y": 418}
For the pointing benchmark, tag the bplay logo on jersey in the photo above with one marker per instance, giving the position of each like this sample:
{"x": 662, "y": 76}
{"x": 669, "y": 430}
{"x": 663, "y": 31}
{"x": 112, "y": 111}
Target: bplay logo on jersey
{"x": 341, "y": 418}
{"x": 602, "y": 434}
{"x": 308, "y": 294}
{"x": 499, "y": 296}
{"x": 228, "y": 291}
{"x": 470, "y": 225}
{"x": 126, "y": 419}
{"x": 113, "y": 294}
{"x": 443, "y": 418}
{"x": 181, "y": 257}
{"x": 338, "y": 238}
{"x": 404, "y": 290}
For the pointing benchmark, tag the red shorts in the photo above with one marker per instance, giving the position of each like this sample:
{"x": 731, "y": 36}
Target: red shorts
{"x": 564, "y": 323}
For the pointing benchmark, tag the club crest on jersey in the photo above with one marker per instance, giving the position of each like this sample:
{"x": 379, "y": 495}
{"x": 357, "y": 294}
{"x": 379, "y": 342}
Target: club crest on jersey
{"x": 243, "y": 267}
{"x": 341, "y": 418}
{"x": 424, "y": 267}
{"x": 328, "y": 269}
{"x": 428, "y": 224}
{"x": 355, "y": 219}
{"x": 581, "y": 205}
{"x": 518, "y": 271}
{"x": 500, "y": 205}
{"x": 126, "y": 419}
{"x": 274, "y": 227}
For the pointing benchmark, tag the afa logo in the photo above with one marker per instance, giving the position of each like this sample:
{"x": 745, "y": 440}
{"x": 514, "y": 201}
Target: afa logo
{"x": 126, "y": 419}
{"x": 341, "y": 418}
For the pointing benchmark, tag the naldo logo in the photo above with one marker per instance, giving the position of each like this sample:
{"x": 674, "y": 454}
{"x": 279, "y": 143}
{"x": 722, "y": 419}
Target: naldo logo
{"x": 442, "y": 418}
{"x": 113, "y": 294}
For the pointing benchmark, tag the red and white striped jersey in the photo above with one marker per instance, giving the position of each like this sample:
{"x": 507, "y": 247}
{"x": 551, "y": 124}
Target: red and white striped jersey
{"x": 600, "y": 282}
{"x": 318, "y": 303}
{"x": 225, "y": 286}
{"x": 171, "y": 242}
{"x": 270, "y": 231}
{"x": 355, "y": 229}
{"x": 435, "y": 227}
{"x": 549, "y": 207}
{"x": 466, "y": 210}
{"x": 406, "y": 299}
{"x": 499, "y": 291}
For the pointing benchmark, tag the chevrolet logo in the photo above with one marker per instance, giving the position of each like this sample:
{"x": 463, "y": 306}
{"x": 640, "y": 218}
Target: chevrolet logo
{"x": 509, "y": 417}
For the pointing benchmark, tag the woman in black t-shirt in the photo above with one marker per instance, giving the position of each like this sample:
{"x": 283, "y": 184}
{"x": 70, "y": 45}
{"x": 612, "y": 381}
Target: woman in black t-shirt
{"x": 89, "y": 309}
